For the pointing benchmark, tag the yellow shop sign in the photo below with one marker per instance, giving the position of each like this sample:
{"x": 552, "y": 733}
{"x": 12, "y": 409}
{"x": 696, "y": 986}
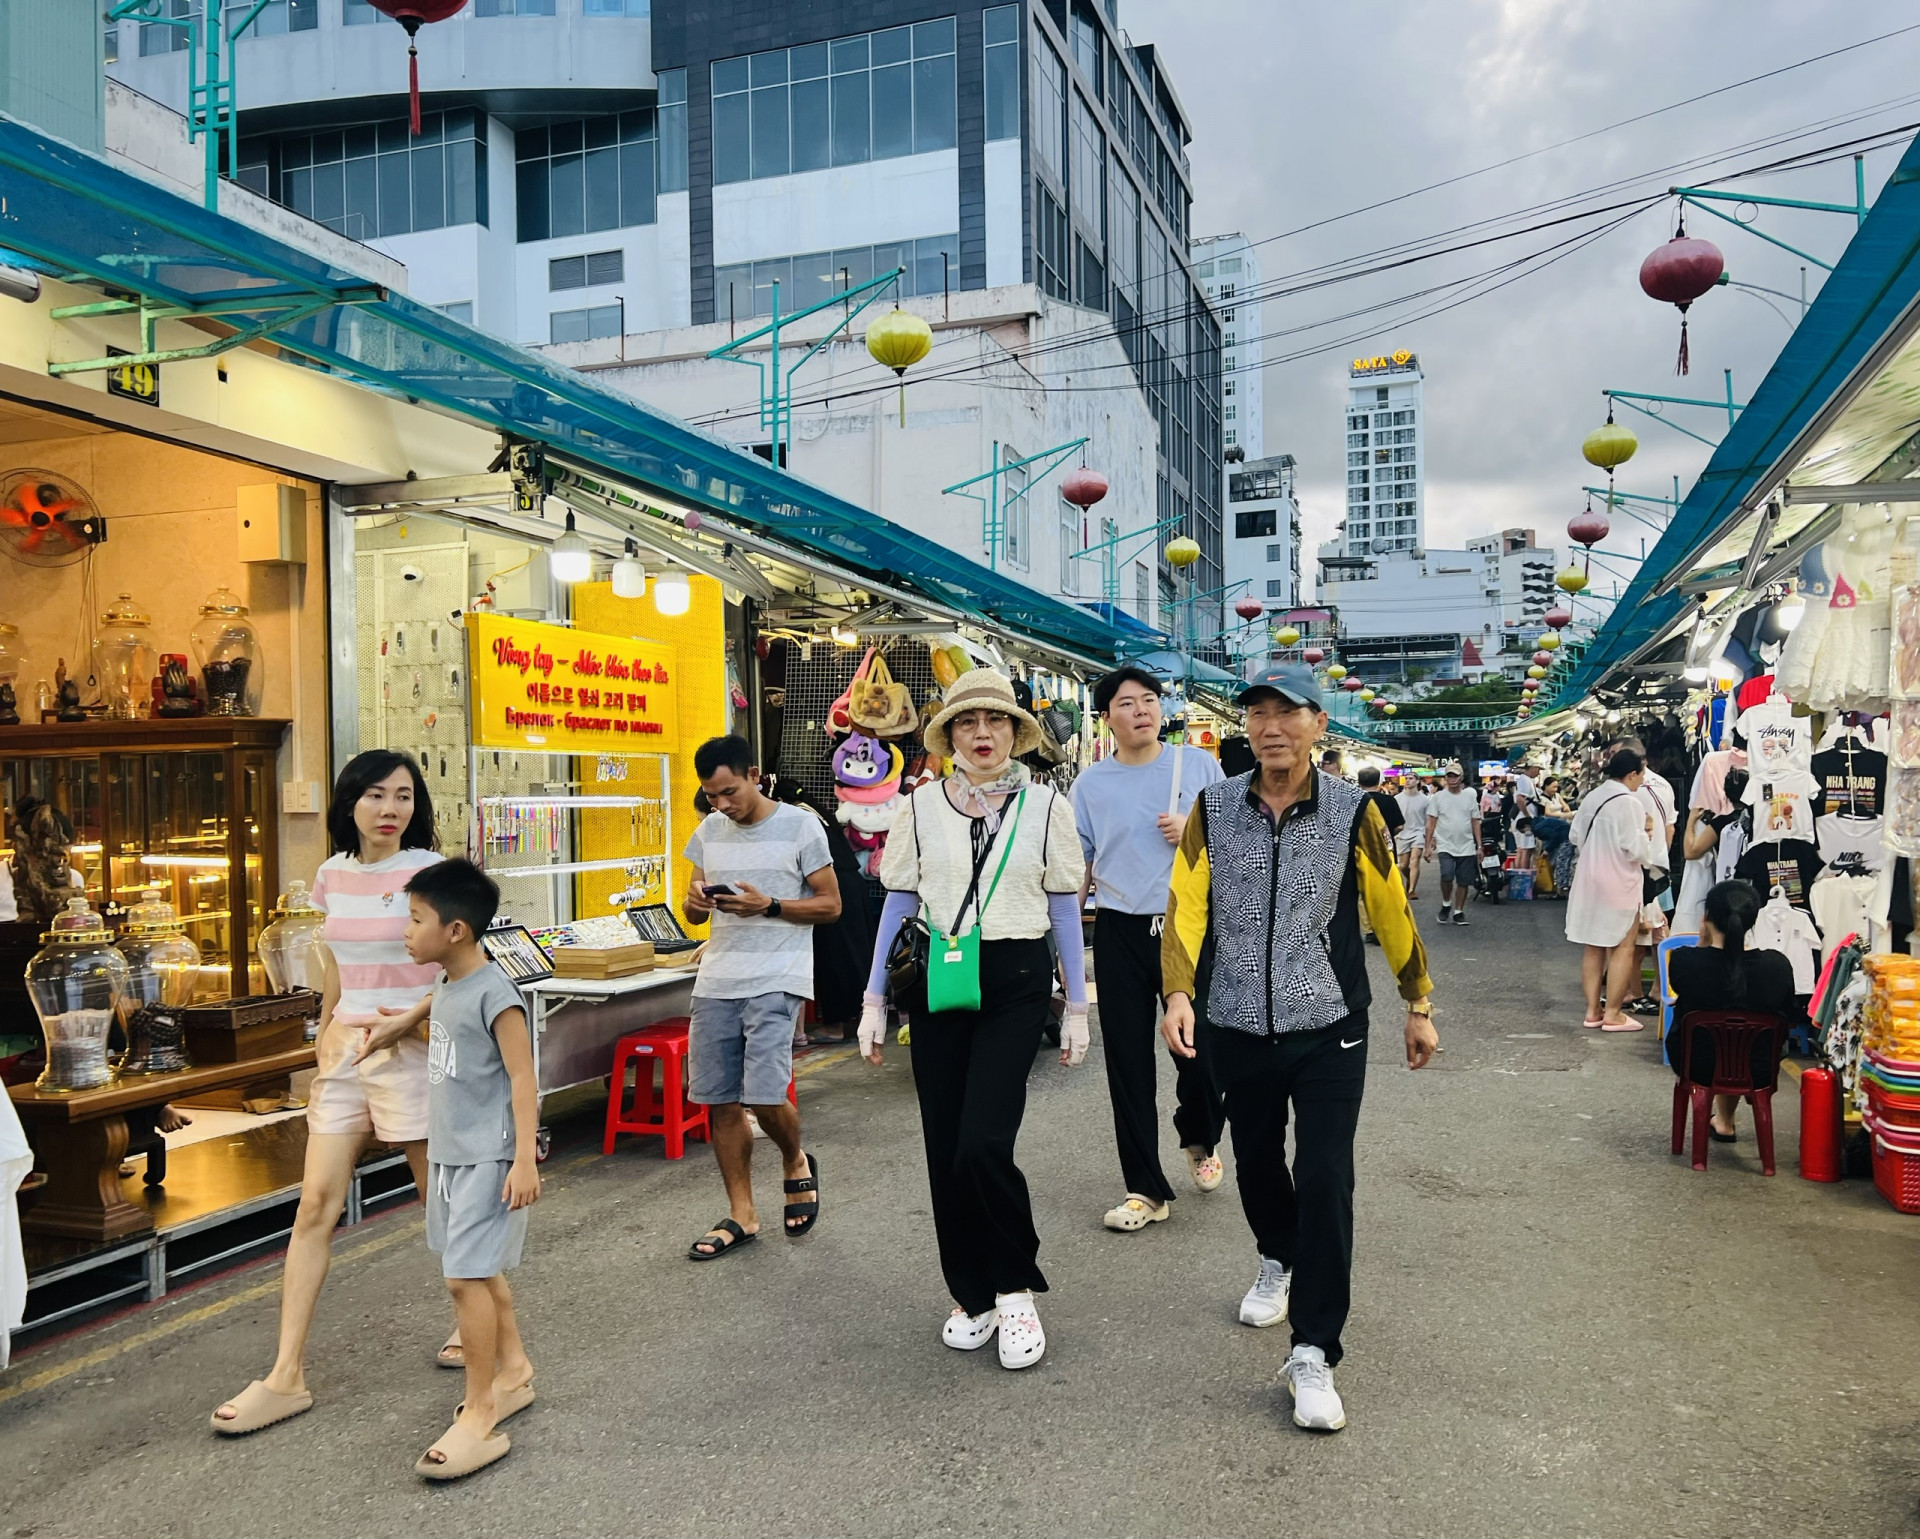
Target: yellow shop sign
{"x": 552, "y": 689}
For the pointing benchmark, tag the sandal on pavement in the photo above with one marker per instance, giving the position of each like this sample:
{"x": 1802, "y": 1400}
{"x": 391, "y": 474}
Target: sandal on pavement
{"x": 802, "y": 1216}
{"x": 1623, "y": 1025}
{"x": 1136, "y": 1213}
{"x": 1207, "y": 1169}
{"x": 461, "y": 1453}
{"x": 1721, "y": 1138}
{"x": 718, "y": 1247}
{"x": 452, "y": 1355}
{"x": 508, "y": 1403}
{"x": 1593, "y": 1023}
{"x": 256, "y": 1406}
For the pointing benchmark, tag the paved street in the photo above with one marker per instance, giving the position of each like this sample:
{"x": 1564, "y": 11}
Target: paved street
{"x": 1557, "y": 1330}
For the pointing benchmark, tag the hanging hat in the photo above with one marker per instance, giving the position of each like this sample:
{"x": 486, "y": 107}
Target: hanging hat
{"x": 981, "y": 689}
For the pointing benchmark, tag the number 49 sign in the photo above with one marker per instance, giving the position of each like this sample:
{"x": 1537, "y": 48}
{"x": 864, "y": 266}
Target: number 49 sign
{"x": 134, "y": 381}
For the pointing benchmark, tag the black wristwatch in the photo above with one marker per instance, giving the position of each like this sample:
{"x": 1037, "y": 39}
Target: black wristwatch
{"x": 773, "y": 908}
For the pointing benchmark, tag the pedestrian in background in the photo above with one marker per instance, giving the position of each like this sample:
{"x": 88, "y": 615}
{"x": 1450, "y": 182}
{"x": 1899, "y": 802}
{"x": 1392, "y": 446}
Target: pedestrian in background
{"x": 762, "y": 872}
{"x": 1131, "y": 809}
{"x": 1453, "y": 834}
{"x": 1271, "y": 873}
{"x": 1614, "y": 833}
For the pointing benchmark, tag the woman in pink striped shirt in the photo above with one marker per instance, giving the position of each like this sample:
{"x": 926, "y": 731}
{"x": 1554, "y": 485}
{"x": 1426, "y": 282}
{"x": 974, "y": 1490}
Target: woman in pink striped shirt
{"x": 371, "y": 1081}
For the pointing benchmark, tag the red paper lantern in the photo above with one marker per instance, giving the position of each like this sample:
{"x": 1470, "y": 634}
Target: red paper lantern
{"x": 1313, "y": 657}
{"x": 413, "y": 15}
{"x": 1544, "y": 659}
{"x": 1249, "y": 608}
{"x": 1678, "y": 273}
{"x": 1083, "y": 487}
{"x": 1558, "y": 617}
{"x": 1353, "y": 685}
{"x": 1588, "y": 528}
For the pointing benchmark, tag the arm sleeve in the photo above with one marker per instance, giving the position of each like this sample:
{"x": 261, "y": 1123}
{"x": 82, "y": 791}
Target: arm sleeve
{"x": 1066, "y": 866}
{"x": 1063, "y": 909}
{"x": 898, "y": 908}
{"x": 1387, "y": 907}
{"x": 1185, "y": 930}
{"x": 900, "y": 860}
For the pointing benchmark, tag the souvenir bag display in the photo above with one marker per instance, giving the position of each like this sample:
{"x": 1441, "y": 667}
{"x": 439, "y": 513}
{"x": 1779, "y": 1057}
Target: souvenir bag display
{"x": 953, "y": 956}
{"x": 867, "y": 780}
{"x": 878, "y": 705}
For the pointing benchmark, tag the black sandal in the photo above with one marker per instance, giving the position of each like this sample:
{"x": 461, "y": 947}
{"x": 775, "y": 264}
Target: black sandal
{"x": 802, "y": 1216}
{"x": 721, "y": 1248}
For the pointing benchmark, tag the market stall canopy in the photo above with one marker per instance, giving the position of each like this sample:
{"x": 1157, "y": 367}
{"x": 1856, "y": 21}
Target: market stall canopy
{"x": 1178, "y": 665}
{"x": 66, "y": 213}
{"x": 1838, "y": 411}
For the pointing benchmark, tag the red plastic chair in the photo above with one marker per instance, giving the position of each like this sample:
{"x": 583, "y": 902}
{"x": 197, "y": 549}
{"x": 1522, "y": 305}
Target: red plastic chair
{"x": 676, "y": 1118}
{"x": 1734, "y": 1034}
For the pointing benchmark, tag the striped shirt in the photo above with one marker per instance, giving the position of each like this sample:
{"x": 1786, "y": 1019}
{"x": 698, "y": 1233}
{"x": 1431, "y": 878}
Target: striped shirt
{"x": 366, "y": 909}
{"x": 749, "y": 957}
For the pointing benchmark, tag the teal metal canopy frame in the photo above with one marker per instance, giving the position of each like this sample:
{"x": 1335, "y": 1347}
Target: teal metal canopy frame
{"x": 994, "y": 508}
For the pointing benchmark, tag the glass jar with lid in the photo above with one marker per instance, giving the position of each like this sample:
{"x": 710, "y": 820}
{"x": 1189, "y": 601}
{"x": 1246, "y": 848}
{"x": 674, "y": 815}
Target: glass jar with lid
{"x": 227, "y": 648}
{"x": 292, "y": 951}
{"x": 162, "y": 967}
{"x": 124, "y": 660}
{"x": 11, "y": 663}
{"x": 76, "y": 980}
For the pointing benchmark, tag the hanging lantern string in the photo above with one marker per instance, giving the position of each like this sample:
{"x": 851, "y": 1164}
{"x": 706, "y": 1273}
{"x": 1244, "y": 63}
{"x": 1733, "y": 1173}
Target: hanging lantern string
{"x": 412, "y": 25}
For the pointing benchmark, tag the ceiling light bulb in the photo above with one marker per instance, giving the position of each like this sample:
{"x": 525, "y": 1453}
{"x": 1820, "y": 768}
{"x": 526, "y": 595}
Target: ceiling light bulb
{"x": 629, "y": 576}
{"x": 672, "y": 593}
{"x": 846, "y": 635}
{"x": 1697, "y": 674}
{"x": 571, "y": 559}
{"x": 1789, "y": 610}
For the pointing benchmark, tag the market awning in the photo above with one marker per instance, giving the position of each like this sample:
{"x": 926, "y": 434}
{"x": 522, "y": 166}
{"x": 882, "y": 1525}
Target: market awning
{"x": 1840, "y": 407}
{"x": 77, "y": 216}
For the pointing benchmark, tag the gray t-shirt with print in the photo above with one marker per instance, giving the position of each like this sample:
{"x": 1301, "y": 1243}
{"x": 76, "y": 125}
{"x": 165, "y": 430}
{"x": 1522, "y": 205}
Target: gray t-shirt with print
{"x": 749, "y": 956}
{"x": 469, "y": 1097}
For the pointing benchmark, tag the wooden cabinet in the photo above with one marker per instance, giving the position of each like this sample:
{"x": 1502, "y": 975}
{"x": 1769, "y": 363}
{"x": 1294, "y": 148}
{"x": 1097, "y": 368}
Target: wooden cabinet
{"x": 190, "y": 806}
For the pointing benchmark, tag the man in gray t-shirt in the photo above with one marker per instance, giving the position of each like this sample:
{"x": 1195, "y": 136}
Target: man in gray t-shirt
{"x": 762, "y": 873}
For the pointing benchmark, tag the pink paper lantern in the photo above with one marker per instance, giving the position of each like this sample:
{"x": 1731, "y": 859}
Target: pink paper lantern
{"x": 1083, "y": 487}
{"x": 1558, "y": 617}
{"x": 1588, "y": 528}
{"x": 1313, "y": 656}
{"x": 1248, "y": 608}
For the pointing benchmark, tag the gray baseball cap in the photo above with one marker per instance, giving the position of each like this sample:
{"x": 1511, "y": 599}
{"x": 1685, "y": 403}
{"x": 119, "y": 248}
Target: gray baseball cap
{"x": 1293, "y": 682}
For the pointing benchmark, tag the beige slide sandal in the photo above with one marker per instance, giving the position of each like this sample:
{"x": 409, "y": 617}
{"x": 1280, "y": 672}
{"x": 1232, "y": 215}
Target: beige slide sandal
{"x": 256, "y": 1406}
{"x": 509, "y": 1403}
{"x": 461, "y": 1454}
{"x": 452, "y": 1355}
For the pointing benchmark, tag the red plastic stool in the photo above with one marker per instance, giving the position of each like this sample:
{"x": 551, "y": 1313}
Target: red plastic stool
{"x": 665, "y": 1042}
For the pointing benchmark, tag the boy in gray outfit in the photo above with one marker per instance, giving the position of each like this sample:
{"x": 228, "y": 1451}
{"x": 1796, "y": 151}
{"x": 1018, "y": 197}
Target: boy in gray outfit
{"x": 481, "y": 1175}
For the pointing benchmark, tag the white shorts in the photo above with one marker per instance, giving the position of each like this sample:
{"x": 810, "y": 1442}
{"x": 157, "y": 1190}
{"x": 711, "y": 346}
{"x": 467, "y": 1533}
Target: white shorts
{"x": 1405, "y": 841}
{"x": 385, "y": 1096}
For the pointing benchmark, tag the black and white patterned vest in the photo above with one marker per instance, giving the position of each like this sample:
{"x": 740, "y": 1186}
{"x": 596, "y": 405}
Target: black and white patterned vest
{"x": 1272, "y": 900}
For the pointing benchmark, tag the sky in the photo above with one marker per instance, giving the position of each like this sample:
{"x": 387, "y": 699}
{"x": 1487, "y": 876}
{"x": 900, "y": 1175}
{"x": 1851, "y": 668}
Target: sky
{"x": 1303, "y": 110}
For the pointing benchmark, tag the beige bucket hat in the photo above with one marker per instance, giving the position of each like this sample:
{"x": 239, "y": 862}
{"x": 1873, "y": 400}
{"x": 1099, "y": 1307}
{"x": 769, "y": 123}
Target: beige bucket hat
{"x": 981, "y": 689}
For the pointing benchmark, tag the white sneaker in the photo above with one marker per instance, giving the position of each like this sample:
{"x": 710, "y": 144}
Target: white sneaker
{"x": 968, "y": 1333}
{"x": 1316, "y": 1403}
{"x": 1266, "y": 1301}
{"x": 1136, "y": 1212}
{"x": 1207, "y": 1169}
{"x": 1022, "y": 1342}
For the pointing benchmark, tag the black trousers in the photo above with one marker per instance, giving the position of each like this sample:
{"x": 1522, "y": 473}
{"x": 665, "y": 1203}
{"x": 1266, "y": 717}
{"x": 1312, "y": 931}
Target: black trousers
{"x": 1302, "y": 1218}
{"x": 1126, "y": 972}
{"x": 970, "y": 1068}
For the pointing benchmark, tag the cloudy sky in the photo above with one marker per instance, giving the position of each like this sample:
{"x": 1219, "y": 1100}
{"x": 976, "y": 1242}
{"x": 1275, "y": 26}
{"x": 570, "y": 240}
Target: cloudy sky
{"x": 1304, "y": 110}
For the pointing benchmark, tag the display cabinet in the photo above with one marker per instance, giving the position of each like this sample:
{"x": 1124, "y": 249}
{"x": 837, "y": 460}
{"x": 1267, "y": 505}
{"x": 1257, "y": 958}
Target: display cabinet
{"x": 191, "y": 806}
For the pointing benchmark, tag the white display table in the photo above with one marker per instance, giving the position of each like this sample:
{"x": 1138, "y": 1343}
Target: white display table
{"x": 576, "y": 1021}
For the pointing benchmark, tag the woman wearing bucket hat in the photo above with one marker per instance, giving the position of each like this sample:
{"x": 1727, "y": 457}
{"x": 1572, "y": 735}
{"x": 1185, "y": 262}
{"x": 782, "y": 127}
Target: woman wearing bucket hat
{"x": 989, "y": 862}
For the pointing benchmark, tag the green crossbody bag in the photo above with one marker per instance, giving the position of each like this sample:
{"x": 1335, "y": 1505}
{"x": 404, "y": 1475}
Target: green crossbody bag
{"x": 953, "y": 960}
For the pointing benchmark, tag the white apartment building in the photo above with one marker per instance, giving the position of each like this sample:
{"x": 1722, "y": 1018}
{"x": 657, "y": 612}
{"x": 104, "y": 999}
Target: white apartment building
{"x": 1263, "y": 537}
{"x": 1386, "y": 456}
{"x": 1229, "y": 273}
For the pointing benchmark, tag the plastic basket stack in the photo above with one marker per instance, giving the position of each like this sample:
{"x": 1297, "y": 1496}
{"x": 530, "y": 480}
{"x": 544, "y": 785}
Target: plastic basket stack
{"x": 1890, "y": 1077}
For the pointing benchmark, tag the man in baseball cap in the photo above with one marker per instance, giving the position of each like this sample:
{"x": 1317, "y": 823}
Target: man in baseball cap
{"x": 1292, "y": 682}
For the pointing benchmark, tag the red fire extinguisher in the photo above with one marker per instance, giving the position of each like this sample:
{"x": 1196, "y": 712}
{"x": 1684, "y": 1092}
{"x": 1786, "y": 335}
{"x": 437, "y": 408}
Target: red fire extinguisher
{"x": 1820, "y": 1124}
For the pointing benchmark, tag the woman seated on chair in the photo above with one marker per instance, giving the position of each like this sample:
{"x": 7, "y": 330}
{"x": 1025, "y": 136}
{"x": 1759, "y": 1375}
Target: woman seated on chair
{"x": 1722, "y": 974}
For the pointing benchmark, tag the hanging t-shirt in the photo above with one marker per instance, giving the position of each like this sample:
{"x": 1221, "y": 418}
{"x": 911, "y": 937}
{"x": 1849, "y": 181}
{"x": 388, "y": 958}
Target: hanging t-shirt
{"x": 1778, "y": 742}
{"x": 1840, "y": 838}
{"x": 1853, "y": 780}
{"x": 1783, "y": 807}
{"x": 1789, "y": 864}
{"x": 1843, "y": 906}
{"x": 1733, "y": 844}
{"x": 1782, "y": 928}
{"x": 1755, "y": 691}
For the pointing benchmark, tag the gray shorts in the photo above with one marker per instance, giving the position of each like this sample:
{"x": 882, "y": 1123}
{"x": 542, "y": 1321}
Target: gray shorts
{"x": 1459, "y": 870}
{"x": 469, "y": 1224}
{"x": 742, "y": 1049}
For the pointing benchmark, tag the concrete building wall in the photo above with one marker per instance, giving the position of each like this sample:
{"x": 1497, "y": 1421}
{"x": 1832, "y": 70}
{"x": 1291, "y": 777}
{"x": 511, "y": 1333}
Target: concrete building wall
{"x": 50, "y": 69}
{"x": 860, "y": 205}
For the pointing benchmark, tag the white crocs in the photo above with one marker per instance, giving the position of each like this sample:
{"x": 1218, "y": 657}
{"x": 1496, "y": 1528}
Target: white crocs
{"x": 968, "y": 1333}
{"x": 1136, "y": 1212}
{"x": 1022, "y": 1342}
{"x": 1207, "y": 1169}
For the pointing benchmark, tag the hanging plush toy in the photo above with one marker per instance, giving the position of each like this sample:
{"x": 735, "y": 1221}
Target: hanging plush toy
{"x": 866, "y": 774}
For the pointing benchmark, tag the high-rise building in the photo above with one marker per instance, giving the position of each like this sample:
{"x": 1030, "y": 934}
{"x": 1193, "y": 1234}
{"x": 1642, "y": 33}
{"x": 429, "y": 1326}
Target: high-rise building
{"x": 1386, "y": 456}
{"x": 1230, "y": 273}
{"x": 1263, "y": 537}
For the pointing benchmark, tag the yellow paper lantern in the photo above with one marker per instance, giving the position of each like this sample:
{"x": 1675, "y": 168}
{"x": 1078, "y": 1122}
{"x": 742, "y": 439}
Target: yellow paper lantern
{"x": 1390, "y": 708}
{"x": 1549, "y": 642}
{"x": 1182, "y": 552}
{"x": 1571, "y": 580}
{"x": 899, "y": 341}
{"x": 1366, "y": 694}
{"x": 1536, "y": 672}
{"x": 1336, "y": 672}
{"x": 1610, "y": 445}
{"x": 1287, "y": 635}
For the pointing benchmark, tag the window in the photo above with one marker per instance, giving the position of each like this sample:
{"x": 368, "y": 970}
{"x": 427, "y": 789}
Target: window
{"x": 1070, "y": 543}
{"x": 1356, "y": 478}
{"x": 585, "y": 325}
{"x": 377, "y": 179}
{"x": 164, "y": 37}
{"x": 513, "y": 7}
{"x": 1358, "y": 423}
{"x": 1083, "y": 34}
{"x": 1140, "y": 591}
{"x": 1086, "y": 184}
{"x": 1227, "y": 388}
{"x": 1401, "y": 418}
{"x": 460, "y": 310}
{"x": 585, "y": 272}
{"x": 1403, "y": 456}
{"x": 1232, "y": 438}
{"x": 634, "y": 8}
{"x": 1014, "y": 511}
{"x": 1380, "y": 395}
{"x": 1049, "y": 108}
{"x": 1276, "y": 553}
{"x": 1254, "y": 524}
{"x": 870, "y": 97}
{"x": 1050, "y": 243}
{"x": 746, "y": 289}
{"x": 1276, "y": 588}
{"x": 1357, "y": 457}
{"x": 1233, "y": 413}
{"x": 1380, "y": 457}
{"x": 594, "y": 174}
{"x": 1000, "y": 26}
{"x": 1123, "y": 238}
{"x": 279, "y": 18}
{"x": 1356, "y": 440}
{"x": 358, "y": 13}
{"x": 670, "y": 128}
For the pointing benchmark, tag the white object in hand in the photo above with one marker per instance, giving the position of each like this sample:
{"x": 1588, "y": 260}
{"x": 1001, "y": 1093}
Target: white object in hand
{"x": 1074, "y": 1036}
{"x": 873, "y": 1027}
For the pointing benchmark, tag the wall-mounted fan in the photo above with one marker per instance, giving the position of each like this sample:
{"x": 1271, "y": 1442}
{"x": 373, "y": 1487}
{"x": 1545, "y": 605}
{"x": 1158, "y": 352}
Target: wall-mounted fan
{"x": 47, "y": 519}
